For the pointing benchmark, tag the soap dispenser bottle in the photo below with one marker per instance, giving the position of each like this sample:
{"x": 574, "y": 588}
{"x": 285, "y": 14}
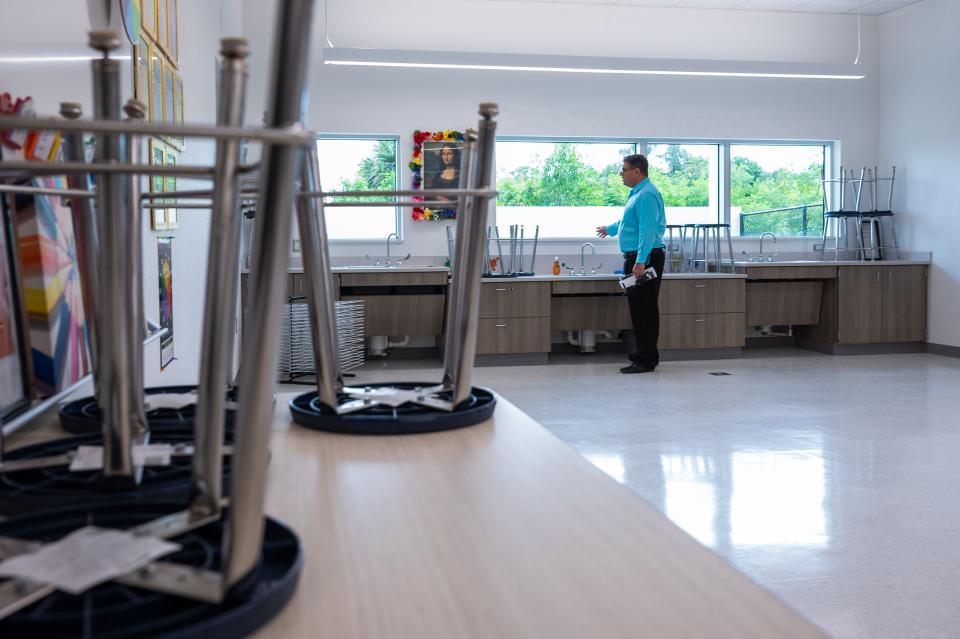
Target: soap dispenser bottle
{"x": 556, "y": 265}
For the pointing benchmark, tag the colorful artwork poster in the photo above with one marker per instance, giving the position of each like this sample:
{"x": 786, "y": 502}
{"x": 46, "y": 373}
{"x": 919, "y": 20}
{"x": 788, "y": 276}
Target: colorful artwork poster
{"x": 52, "y": 295}
{"x": 14, "y": 395}
{"x": 165, "y": 271}
{"x": 130, "y": 9}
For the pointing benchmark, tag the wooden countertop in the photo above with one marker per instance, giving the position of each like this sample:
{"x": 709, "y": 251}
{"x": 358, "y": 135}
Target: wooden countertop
{"x": 499, "y": 530}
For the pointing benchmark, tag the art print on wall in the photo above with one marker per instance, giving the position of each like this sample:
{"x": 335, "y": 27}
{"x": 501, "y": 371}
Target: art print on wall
{"x": 158, "y": 216}
{"x": 170, "y": 186}
{"x": 173, "y": 15}
{"x": 141, "y": 74}
{"x": 168, "y": 92}
{"x": 52, "y": 295}
{"x": 165, "y": 275}
{"x": 14, "y": 362}
{"x": 148, "y": 17}
{"x": 436, "y": 165}
{"x": 156, "y": 85}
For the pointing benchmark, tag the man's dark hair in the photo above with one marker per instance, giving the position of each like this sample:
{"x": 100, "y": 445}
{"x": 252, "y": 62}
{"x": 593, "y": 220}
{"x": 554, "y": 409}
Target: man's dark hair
{"x": 638, "y": 161}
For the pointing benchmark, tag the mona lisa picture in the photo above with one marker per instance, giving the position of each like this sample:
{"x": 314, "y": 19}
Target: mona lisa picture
{"x": 436, "y": 165}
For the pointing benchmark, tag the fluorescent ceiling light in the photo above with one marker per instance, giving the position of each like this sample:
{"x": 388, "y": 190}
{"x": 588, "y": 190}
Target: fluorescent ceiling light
{"x": 586, "y": 64}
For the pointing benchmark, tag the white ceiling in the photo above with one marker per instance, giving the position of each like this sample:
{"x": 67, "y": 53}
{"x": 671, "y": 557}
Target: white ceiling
{"x": 866, "y": 7}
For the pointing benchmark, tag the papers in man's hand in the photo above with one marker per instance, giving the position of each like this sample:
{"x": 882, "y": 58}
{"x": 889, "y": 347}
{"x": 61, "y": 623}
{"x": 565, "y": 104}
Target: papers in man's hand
{"x": 631, "y": 280}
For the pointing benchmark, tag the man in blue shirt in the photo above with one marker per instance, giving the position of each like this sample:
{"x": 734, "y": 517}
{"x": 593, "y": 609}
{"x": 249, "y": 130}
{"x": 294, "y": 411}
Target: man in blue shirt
{"x": 640, "y": 233}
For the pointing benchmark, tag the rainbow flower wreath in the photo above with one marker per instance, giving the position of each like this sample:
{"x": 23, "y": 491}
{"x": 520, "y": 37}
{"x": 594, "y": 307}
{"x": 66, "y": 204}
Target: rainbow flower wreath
{"x": 416, "y": 166}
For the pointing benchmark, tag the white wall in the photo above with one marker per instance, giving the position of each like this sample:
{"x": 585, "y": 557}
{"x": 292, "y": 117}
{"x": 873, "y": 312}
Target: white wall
{"x": 62, "y": 30}
{"x": 398, "y": 101}
{"x": 920, "y": 134}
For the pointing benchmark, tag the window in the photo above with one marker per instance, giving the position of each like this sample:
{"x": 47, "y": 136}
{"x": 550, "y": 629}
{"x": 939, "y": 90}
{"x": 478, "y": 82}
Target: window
{"x": 359, "y": 164}
{"x": 567, "y": 188}
{"x": 688, "y": 176}
{"x": 776, "y": 188}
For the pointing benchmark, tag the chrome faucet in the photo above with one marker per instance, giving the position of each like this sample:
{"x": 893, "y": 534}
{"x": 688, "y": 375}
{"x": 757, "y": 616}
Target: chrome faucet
{"x": 761, "y": 241}
{"x": 393, "y": 235}
{"x": 593, "y": 251}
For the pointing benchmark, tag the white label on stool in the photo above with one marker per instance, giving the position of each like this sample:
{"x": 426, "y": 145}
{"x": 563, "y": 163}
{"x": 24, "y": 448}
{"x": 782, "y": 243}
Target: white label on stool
{"x": 176, "y": 401}
{"x": 91, "y": 457}
{"x": 87, "y": 557}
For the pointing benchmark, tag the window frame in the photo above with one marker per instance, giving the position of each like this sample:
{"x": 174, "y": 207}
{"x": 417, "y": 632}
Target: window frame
{"x": 397, "y": 210}
{"x": 642, "y": 145}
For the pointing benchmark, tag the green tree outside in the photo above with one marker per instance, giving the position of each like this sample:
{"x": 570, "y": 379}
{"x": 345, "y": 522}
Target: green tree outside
{"x": 563, "y": 179}
{"x": 377, "y": 172}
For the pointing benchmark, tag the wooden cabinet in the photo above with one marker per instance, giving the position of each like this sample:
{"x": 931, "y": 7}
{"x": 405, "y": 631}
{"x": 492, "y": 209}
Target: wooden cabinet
{"x": 860, "y": 309}
{"x": 706, "y": 330}
{"x": 904, "y": 303}
{"x": 515, "y": 299}
{"x": 514, "y": 318}
{"x": 783, "y": 303}
{"x": 588, "y": 304}
{"x": 701, "y": 296}
{"x": 401, "y": 314}
{"x": 702, "y": 313}
{"x": 591, "y": 312}
{"x": 513, "y": 335}
{"x": 881, "y": 304}
{"x": 811, "y": 272}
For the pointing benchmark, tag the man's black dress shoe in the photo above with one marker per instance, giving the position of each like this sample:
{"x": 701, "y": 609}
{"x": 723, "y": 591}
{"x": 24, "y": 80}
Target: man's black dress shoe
{"x": 636, "y": 368}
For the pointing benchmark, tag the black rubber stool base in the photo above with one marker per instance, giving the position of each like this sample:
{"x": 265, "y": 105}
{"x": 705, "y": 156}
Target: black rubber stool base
{"x": 114, "y": 611}
{"x": 28, "y": 490}
{"x": 408, "y": 419}
{"x": 83, "y": 416}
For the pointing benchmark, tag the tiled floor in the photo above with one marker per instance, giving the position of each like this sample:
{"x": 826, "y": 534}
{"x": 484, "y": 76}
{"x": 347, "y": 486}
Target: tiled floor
{"x": 831, "y": 481}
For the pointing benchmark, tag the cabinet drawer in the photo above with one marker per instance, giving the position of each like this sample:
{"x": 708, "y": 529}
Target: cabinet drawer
{"x": 708, "y": 330}
{"x": 394, "y": 279}
{"x": 701, "y": 296}
{"x": 513, "y": 335}
{"x": 586, "y": 287}
{"x": 573, "y": 313}
{"x": 791, "y": 272}
{"x": 515, "y": 299}
{"x": 401, "y": 314}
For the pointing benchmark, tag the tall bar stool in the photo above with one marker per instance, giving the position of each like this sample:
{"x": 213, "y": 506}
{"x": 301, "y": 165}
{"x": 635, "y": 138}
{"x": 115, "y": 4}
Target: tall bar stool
{"x": 708, "y": 237}
{"x": 675, "y": 263}
{"x": 874, "y": 217}
{"x": 686, "y": 250}
{"x": 840, "y": 216}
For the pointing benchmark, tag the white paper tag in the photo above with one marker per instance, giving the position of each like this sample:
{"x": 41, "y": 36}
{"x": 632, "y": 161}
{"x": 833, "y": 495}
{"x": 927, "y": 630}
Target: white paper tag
{"x": 176, "y": 401}
{"x": 91, "y": 457}
{"x": 87, "y": 557}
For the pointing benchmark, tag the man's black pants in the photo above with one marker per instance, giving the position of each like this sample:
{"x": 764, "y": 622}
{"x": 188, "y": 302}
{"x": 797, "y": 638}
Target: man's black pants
{"x": 645, "y": 309}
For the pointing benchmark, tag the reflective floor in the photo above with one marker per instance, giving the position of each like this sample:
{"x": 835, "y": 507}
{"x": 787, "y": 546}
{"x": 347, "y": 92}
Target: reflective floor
{"x": 830, "y": 481}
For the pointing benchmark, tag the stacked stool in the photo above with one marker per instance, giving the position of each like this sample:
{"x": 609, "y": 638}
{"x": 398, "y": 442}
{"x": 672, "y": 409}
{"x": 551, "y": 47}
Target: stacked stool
{"x": 708, "y": 244}
{"x": 836, "y": 219}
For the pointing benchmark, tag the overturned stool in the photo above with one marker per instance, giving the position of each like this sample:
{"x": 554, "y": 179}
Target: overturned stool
{"x": 407, "y": 407}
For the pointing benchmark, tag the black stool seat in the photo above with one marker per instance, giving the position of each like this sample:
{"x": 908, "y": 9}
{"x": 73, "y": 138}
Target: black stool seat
{"x": 842, "y": 213}
{"x": 877, "y": 214}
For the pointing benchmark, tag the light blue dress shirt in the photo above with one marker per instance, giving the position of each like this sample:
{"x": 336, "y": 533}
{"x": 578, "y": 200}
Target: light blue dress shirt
{"x": 644, "y": 221}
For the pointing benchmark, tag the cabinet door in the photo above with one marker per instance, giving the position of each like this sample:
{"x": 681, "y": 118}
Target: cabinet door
{"x": 513, "y": 335}
{"x": 860, "y": 305}
{"x": 904, "y": 303}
